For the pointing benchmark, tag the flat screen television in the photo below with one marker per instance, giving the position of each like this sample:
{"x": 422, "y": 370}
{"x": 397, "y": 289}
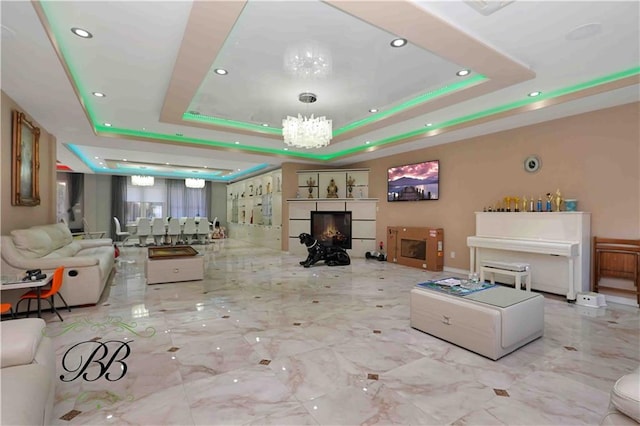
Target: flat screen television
{"x": 332, "y": 228}
{"x": 414, "y": 182}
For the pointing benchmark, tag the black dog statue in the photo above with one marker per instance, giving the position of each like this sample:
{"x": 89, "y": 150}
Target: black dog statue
{"x": 332, "y": 256}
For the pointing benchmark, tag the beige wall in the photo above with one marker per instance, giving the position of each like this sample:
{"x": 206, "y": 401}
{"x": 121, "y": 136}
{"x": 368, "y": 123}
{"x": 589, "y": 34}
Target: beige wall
{"x": 16, "y": 217}
{"x": 593, "y": 157}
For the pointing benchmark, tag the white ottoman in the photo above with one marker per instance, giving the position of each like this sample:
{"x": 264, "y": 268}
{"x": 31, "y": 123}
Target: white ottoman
{"x": 491, "y": 322}
{"x": 624, "y": 407}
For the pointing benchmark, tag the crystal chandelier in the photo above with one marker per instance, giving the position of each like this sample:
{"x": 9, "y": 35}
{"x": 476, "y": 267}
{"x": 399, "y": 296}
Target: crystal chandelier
{"x": 194, "y": 183}
{"x": 308, "y": 60}
{"x": 307, "y": 132}
{"x": 138, "y": 180}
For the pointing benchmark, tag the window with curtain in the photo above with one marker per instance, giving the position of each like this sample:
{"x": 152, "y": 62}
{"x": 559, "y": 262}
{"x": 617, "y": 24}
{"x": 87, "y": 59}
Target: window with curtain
{"x": 167, "y": 197}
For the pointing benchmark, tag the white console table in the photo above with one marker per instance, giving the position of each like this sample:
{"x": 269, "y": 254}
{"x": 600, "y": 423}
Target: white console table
{"x": 556, "y": 244}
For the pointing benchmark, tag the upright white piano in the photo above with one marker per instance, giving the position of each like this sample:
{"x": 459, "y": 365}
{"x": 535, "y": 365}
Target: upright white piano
{"x": 555, "y": 244}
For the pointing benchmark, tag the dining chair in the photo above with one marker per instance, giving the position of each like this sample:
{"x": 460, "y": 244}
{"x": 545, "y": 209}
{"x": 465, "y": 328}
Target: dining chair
{"x": 202, "y": 230}
{"x": 190, "y": 229}
{"x": 6, "y": 307}
{"x": 47, "y": 294}
{"x": 174, "y": 230}
{"x": 119, "y": 232}
{"x": 144, "y": 230}
{"x": 88, "y": 233}
{"x": 158, "y": 230}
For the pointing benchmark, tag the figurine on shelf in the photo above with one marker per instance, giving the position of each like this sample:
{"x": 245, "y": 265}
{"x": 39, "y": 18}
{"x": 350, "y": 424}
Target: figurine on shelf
{"x": 558, "y": 200}
{"x": 311, "y": 183}
{"x": 332, "y": 189}
{"x": 516, "y": 207}
{"x": 350, "y": 183}
{"x": 524, "y": 203}
{"x": 507, "y": 204}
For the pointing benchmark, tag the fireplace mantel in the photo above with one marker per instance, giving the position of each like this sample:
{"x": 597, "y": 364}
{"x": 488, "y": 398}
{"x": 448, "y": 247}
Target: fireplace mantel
{"x": 363, "y": 212}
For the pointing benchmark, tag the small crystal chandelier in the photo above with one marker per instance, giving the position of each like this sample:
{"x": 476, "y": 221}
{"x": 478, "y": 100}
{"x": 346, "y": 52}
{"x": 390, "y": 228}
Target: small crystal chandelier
{"x": 138, "y": 180}
{"x": 307, "y": 132}
{"x": 194, "y": 183}
{"x": 308, "y": 60}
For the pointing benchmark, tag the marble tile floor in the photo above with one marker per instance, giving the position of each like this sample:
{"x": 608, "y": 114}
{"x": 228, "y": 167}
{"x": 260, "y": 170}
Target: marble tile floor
{"x": 263, "y": 340}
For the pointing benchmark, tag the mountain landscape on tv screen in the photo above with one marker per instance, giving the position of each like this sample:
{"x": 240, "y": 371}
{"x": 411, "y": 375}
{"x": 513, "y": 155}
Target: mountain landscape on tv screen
{"x": 409, "y": 181}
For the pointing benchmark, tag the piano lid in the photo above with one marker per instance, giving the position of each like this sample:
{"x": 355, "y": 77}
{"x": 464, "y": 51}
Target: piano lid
{"x": 559, "y": 248}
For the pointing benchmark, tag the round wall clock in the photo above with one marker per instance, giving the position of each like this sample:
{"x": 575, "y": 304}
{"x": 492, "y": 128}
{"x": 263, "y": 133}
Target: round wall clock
{"x": 532, "y": 163}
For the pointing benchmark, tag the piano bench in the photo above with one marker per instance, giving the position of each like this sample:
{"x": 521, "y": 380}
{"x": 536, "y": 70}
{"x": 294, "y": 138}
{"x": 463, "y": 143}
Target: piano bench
{"x": 516, "y": 270}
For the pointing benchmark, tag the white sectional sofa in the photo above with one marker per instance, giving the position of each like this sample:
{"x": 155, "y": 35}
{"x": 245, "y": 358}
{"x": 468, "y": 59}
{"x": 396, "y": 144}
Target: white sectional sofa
{"x": 88, "y": 263}
{"x": 27, "y": 373}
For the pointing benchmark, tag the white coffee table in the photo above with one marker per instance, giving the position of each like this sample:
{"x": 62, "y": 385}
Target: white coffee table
{"x": 492, "y": 322}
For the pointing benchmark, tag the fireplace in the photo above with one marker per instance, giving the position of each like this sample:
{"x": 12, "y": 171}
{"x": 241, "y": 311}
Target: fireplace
{"x": 332, "y": 228}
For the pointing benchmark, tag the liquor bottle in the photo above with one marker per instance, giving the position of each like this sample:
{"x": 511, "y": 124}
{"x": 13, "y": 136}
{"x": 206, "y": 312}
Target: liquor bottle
{"x": 539, "y": 205}
{"x": 531, "y": 209}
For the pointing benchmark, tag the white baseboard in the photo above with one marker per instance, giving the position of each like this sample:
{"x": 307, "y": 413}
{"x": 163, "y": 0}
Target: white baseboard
{"x": 464, "y": 272}
{"x": 621, "y": 300}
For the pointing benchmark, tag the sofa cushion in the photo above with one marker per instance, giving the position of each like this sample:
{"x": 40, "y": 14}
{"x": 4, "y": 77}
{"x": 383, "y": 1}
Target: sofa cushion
{"x": 625, "y": 395}
{"x": 59, "y": 233}
{"x": 20, "y": 340}
{"x": 32, "y": 243}
{"x": 69, "y": 250}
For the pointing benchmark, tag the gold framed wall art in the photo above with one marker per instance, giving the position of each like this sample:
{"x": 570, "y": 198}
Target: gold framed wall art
{"x": 25, "y": 162}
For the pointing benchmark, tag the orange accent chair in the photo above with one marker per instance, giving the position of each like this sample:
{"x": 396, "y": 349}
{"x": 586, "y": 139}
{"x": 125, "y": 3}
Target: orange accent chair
{"x": 47, "y": 294}
{"x": 6, "y": 307}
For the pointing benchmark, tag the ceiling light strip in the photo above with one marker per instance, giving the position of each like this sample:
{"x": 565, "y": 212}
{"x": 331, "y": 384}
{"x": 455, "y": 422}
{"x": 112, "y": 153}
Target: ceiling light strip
{"x": 426, "y": 97}
{"x": 429, "y": 96}
{"x": 43, "y": 12}
{"x": 489, "y": 112}
{"x": 138, "y": 134}
{"x": 350, "y": 151}
{"x": 175, "y": 175}
{"x": 200, "y": 118}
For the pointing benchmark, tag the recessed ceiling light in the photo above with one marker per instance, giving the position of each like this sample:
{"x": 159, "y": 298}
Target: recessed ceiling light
{"x": 463, "y": 73}
{"x": 534, "y": 94}
{"x": 101, "y": 163}
{"x": 220, "y": 71}
{"x": 265, "y": 125}
{"x": 124, "y": 159}
{"x": 373, "y": 110}
{"x": 96, "y": 158}
{"x": 237, "y": 143}
{"x": 429, "y": 124}
{"x": 98, "y": 94}
{"x": 81, "y": 33}
{"x": 286, "y": 149}
{"x": 584, "y": 31}
{"x": 238, "y": 169}
{"x": 206, "y": 167}
{"x": 398, "y": 42}
{"x": 166, "y": 164}
{"x": 108, "y": 124}
{"x": 367, "y": 142}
